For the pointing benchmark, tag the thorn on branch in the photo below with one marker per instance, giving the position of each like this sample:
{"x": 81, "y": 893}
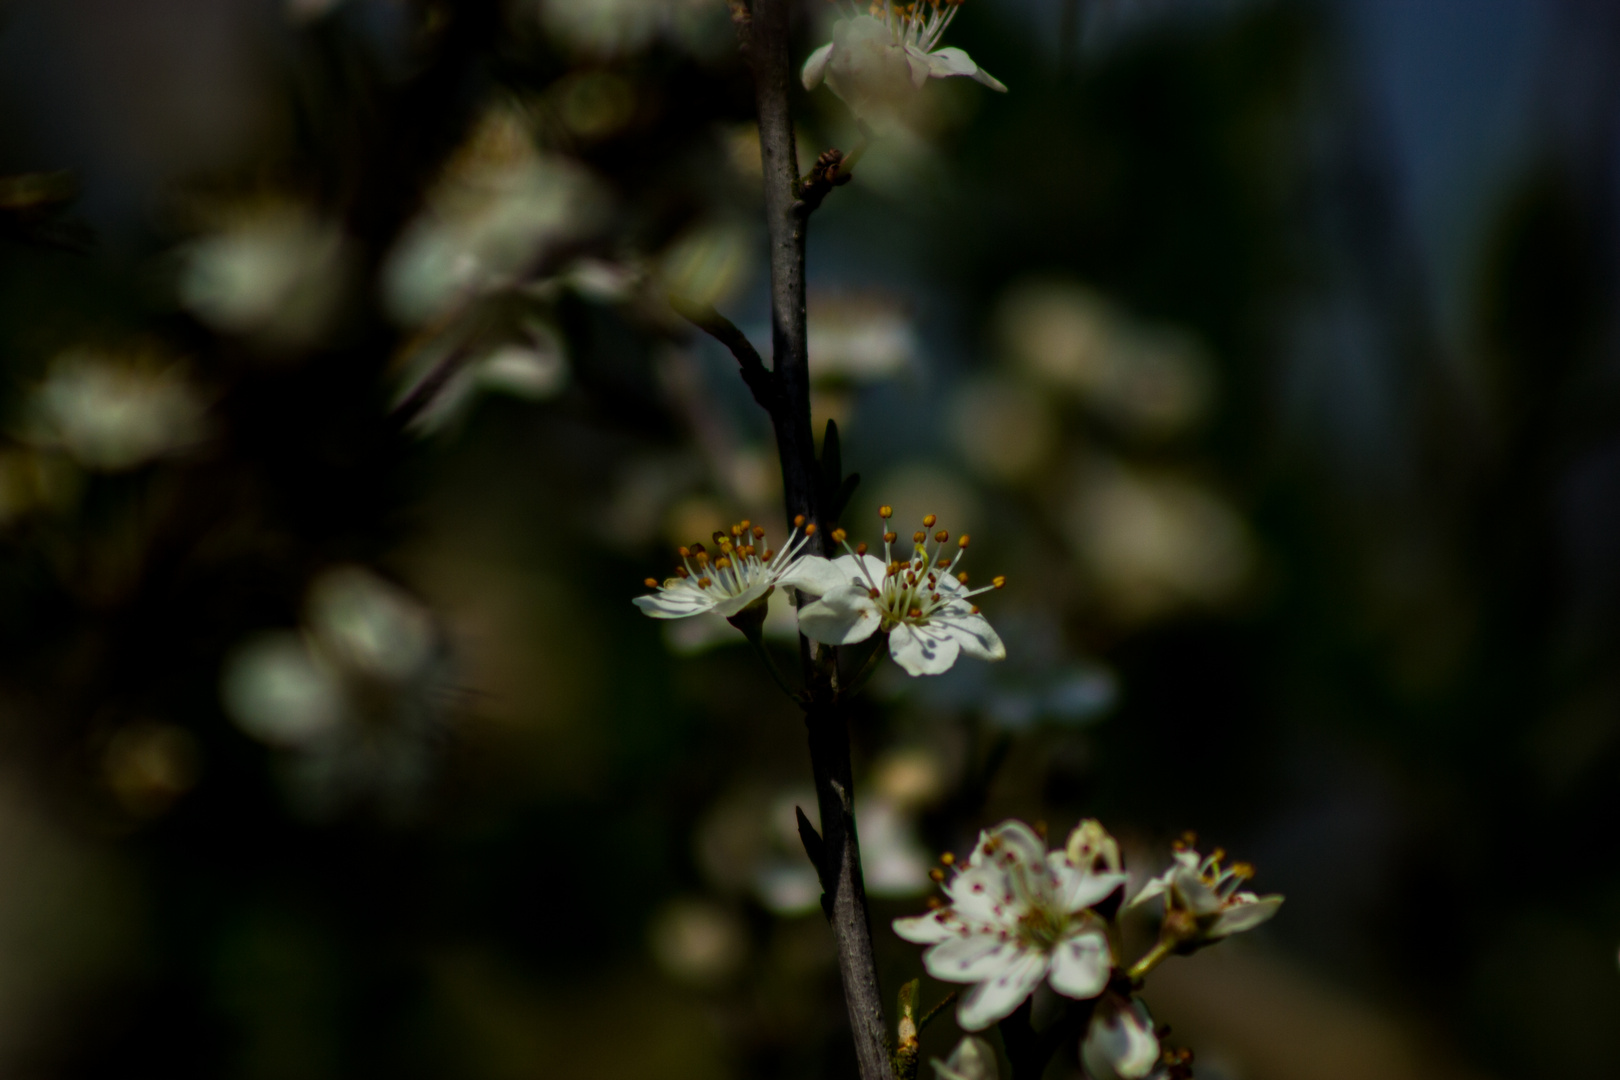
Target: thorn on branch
{"x": 761, "y": 380}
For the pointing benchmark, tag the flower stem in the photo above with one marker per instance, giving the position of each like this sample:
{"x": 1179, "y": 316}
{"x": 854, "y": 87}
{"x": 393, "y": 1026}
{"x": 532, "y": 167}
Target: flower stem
{"x": 1153, "y": 958}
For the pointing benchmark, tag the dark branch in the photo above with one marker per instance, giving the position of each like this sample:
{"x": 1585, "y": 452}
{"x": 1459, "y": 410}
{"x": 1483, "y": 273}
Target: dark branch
{"x": 761, "y": 381}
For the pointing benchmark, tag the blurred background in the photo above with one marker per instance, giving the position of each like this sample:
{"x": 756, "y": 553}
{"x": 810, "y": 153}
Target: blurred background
{"x": 1267, "y": 346}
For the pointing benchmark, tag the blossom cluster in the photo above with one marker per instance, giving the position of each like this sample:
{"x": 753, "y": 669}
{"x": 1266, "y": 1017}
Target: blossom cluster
{"x": 914, "y": 595}
{"x": 1016, "y": 915}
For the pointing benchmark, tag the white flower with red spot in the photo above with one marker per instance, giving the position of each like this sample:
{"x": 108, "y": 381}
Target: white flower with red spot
{"x": 920, "y": 602}
{"x": 876, "y": 60}
{"x": 1202, "y": 900}
{"x": 1017, "y": 914}
{"x": 741, "y": 574}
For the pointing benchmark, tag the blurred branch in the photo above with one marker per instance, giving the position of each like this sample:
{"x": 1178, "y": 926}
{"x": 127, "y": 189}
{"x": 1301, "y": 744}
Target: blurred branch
{"x": 1028, "y": 1050}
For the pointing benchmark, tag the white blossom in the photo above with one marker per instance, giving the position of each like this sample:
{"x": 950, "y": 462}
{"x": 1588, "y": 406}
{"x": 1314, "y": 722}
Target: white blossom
{"x": 741, "y": 575}
{"x": 1120, "y": 1043}
{"x": 920, "y": 603}
{"x": 1205, "y": 895}
{"x": 973, "y": 1059}
{"x": 876, "y": 60}
{"x": 1017, "y": 915}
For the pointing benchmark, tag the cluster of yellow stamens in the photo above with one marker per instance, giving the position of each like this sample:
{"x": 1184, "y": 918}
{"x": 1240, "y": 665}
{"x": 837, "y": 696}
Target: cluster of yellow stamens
{"x": 743, "y": 557}
{"x": 921, "y": 23}
{"x": 910, "y": 589}
{"x": 1222, "y": 881}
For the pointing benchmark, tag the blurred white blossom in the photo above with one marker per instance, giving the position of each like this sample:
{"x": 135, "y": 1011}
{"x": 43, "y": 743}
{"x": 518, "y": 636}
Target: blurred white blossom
{"x": 277, "y": 272}
{"x": 859, "y": 337}
{"x": 1155, "y": 542}
{"x": 708, "y": 263}
{"x": 972, "y": 1059}
{"x": 1150, "y": 381}
{"x": 354, "y": 698}
{"x": 500, "y": 209}
{"x": 113, "y": 413}
{"x": 698, "y": 942}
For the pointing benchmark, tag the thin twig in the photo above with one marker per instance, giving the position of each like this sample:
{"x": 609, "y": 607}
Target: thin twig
{"x": 755, "y": 374}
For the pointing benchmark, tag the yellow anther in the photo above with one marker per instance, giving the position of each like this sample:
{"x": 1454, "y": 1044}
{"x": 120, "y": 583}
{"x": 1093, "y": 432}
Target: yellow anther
{"x": 702, "y": 558}
{"x": 798, "y": 521}
{"x": 914, "y": 613}
{"x": 721, "y": 563}
{"x": 759, "y": 533}
{"x": 928, "y": 521}
{"x": 651, "y": 583}
{"x": 860, "y": 548}
{"x": 998, "y": 581}
{"x": 889, "y": 537}
{"x": 885, "y": 511}
{"x": 874, "y": 593}
{"x": 745, "y": 524}
{"x": 683, "y": 552}
{"x": 839, "y": 535}
{"x": 704, "y": 583}
{"x": 962, "y": 541}
{"x": 681, "y": 572}
{"x": 974, "y": 609}
{"x": 918, "y": 537}
{"x": 937, "y": 874}
{"x": 810, "y": 529}
{"x": 962, "y": 577}
{"x": 948, "y": 859}
{"x": 738, "y": 530}
{"x": 1242, "y": 870}
{"x": 942, "y": 564}
{"x": 941, "y": 536}
{"x": 769, "y": 554}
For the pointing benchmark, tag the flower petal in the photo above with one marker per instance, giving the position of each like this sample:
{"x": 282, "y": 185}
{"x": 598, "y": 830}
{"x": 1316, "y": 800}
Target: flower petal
{"x": 973, "y": 1059}
{"x": 1078, "y": 887}
{"x": 842, "y": 617}
{"x": 750, "y": 595}
{"x": 1244, "y": 914}
{"x": 815, "y": 67}
{"x": 922, "y": 650}
{"x": 675, "y": 602}
{"x": 813, "y": 575}
{"x": 982, "y": 893}
{"x": 917, "y": 61}
{"x": 929, "y": 929}
{"x": 1120, "y": 1044}
{"x": 1080, "y": 965}
{"x": 996, "y": 998}
{"x": 950, "y": 61}
{"x": 973, "y": 635}
{"x": 984, "y": 78}
{"x": 972, "y": 958}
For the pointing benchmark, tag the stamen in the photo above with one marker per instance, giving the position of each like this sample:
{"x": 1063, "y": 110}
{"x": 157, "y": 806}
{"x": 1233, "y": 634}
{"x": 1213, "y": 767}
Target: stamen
{"x": 682, "y": 572}
{"x": 839, "y": 535}
{"x": 889, "y": 537}
{"x": 651, "y": 583}
{"x": 928, "y": 521}
{"x": 948, "y": 859}
{"x": 998, "y": 581}
{"x": 885, "y": 511}
{"x": 962, "y": 541}
{"x": 941, "y": 536}
{"x": 810, "y": 529}
{"x": 918, "y": 537}
{"x": 721, "y": 563}
{"x": 937, "y": 874}
{"x": 704, "y": 583}
{"x": 860, "y": 548}
{"x": 759, "y": 533}
{"x": 962, "y": 577}
{"x": 974, "y": 610}
{"x": 683, "y": 552}
{"x": 798, "y": 521}
{"x": 914, "y": 613}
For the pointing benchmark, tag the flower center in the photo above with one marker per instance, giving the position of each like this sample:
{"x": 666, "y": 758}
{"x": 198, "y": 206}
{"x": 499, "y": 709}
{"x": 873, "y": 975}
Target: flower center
{"x": 1041, "y": 929}
{"x": 923, "y": 586}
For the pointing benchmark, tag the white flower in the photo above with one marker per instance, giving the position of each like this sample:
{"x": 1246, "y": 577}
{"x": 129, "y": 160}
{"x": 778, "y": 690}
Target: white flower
{"x": 973, "y": 1059}
{"x": 875, "y": 61}
{"x": 1120, "y": 1044}
{"x": 1203, "y": 899}
{"x": 739, "y": 576}
{"x": 917, "y": 602}
{"x": 1017, "y": 915}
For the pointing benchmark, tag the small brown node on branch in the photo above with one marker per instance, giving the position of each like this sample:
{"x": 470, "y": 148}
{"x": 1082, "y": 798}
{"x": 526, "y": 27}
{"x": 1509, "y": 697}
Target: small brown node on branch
{"x": 827, "y": 173}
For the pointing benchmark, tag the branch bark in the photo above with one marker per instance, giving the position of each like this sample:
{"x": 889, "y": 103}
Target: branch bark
{"x": 764, "y": 31}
